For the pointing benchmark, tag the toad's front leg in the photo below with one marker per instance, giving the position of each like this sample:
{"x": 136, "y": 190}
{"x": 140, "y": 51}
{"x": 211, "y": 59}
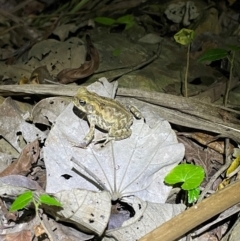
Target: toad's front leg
{"x": 87, "y": 139}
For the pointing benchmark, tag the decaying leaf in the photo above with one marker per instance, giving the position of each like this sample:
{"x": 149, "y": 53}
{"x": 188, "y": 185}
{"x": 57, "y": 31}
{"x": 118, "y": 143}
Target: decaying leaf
{"x": 209, "y": 140}
{"x": 200, "y": 156}
{"x": 14, "y": 185}
{"x": 92, "y": 62}
{"x": 25, "y": 235}
{"x": 148, "y": 216}
{"x": 13, "y": 125}
{"x": 39, "y": 75}
{"x": 23, "y": 164}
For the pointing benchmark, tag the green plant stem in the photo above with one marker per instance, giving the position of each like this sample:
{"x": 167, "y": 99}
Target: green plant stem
{"x": 36, "y": 204}
{"x": 230, "y": 79}
{"x": 186, "y": 73}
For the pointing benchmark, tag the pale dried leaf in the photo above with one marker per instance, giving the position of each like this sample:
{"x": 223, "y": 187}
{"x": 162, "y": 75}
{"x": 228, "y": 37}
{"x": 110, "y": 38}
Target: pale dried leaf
{"x": 13, "y": 124}
{"x": 148, "y": 216}
{"x": 134, "y": 166}
{"x": 70, "y": 54}
{"x": 83, "y": 208}
{"x": 48, "y": 109}
{"x": 14, "y": 185}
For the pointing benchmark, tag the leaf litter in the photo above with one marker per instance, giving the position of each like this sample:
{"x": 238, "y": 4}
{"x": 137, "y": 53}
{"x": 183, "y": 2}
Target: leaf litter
{"x": 131, "y": 170}
{"x": 134, "y": 167}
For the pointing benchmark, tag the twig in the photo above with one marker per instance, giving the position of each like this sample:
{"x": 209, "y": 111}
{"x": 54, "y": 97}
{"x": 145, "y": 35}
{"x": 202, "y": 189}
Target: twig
{"x": 186, "y": 73}
{"x": 218, "y": 173}
{"x": 229, "y": 79}
{"x": 196, "y": 215}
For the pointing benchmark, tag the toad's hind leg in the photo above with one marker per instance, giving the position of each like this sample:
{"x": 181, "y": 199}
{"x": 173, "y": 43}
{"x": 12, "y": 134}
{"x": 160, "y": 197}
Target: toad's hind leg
{"x": 115, "y": 135}
{"x": 119, "y": 134}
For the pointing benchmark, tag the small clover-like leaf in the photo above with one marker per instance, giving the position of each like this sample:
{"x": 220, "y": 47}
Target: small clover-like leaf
{"x": 189, "y": 174}
{"x": 46, "y": 199}
{"x": 193, "y": 195}
{"x": 127, "y": 19}
{"x": 21, "y": 201}
{"x": 213, "y": 55}
{"x": 105, "y": 21}
{"x": 184, "y": 36}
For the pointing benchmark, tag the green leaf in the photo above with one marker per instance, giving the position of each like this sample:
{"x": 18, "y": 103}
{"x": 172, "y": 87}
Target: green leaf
{"x": 189, "y": 174}
{"x": 128, "y": 20}
{"x": 46, "y": 199}
{"x": 233, "y": 47}
{"x": 193, "y": 195}
{"x": 116, "y": 52}
{"x": 21, "y": 201}
{"x": 184, "y": 36}
{"x": 213, "y": 55}
{"x": 105, "y": 21}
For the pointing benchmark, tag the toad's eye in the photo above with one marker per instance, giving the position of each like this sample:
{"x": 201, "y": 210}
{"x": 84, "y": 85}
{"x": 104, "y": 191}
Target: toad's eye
{"x": 82, "y": 102}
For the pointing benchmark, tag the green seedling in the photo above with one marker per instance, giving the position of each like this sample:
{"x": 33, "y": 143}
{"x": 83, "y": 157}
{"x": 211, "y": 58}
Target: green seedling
{"x": 217, "y": 54}
{"x": 128, "y": 20}
{"x": 27, "y": 197}
{"x": 116, "y": 52}
{"x": 185, "y": 37}
{"x": 189, "y": 177}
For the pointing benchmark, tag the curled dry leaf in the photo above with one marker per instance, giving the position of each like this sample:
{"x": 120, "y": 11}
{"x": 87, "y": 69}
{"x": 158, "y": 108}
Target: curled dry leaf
{"x": 91, "y": 64}
{"x": 22, "y": 165}
{"x": 39, "y": 75}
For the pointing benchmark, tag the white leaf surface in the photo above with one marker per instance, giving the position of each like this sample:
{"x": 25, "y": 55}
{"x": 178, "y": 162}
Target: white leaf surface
{"x": 47, "y": 110}
{"x": 83, "y": 208}
{"x": 134, "y": 166}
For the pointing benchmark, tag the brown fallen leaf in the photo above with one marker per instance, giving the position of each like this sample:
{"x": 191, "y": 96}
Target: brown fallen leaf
{"x": 69, "y": 75}
{"x": 209, "y": 140}
{"x": 38, "y": 230}
{"x": 8, "y": 215}
{"x": 22, "y": 165}
{"x": 25, "y": 235}
{"x": 200, "y": 156}
{"x": 38, "y": 76}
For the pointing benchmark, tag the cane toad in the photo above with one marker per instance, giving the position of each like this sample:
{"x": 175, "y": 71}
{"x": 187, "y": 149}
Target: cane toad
{"x": 105, "y": 113}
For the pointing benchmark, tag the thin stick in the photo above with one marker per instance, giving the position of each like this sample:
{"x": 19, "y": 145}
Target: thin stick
{"x": 229, "y": 80}
{"x": 186, "y": 73}
{"x": 218, "y": 173}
